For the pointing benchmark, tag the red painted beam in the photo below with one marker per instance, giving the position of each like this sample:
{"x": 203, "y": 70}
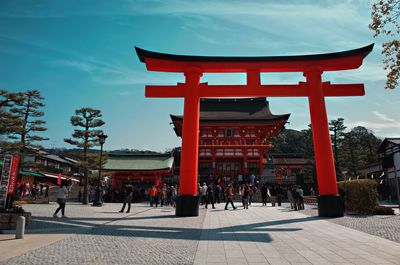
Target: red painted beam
{"x": 221, "y": 91}
{"x": 177, "y": 91}
{"x": 333, "y": 64}
{"x": 343, "y": 90}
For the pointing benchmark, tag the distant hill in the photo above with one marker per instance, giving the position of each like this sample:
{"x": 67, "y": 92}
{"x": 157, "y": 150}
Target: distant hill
{"x": 66, "y": 152}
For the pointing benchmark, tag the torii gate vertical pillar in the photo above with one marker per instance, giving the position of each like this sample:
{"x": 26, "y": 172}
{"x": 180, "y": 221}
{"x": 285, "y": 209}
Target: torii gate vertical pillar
{"x": 329, "y": 202}
{"x": 187, "y": 203}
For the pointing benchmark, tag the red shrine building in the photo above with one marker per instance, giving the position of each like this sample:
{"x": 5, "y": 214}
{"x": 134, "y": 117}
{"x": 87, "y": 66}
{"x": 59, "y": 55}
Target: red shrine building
{"x": 234, "y": 135}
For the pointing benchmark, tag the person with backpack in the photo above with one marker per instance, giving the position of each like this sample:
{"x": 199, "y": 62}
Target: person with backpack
{"x": 229, "y": 195}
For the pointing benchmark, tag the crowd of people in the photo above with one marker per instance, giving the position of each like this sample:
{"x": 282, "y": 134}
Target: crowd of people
{"x": 33, "y": 190}
{"x": 214, "y": 193}
{"x": 211, "y": 193}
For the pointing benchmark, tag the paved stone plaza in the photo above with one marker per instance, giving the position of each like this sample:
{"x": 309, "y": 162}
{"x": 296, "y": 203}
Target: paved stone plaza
{"x": 155, "y": 236}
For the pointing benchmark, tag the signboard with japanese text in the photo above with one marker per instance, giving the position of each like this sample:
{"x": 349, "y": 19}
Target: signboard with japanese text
{"x": 12, "y": 183}
{"x": 4, "y": 179}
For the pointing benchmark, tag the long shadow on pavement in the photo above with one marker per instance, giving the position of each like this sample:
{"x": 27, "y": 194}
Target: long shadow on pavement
{"x": 256, "y": 232}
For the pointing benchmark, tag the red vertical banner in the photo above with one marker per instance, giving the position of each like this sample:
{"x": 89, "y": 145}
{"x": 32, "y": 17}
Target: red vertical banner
{"x": 59, "y": 179}
{"x": 12, "y": 183}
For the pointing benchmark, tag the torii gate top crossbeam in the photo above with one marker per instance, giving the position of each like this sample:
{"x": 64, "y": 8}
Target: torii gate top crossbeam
{"x": 162, "y": 62}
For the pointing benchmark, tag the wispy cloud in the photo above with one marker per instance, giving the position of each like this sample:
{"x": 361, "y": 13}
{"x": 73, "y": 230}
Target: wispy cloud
{"x": 382, "y": 116}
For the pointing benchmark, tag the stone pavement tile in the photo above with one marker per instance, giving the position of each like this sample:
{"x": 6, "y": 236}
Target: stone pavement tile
{"x": 11, "y": 247}
{"x": 346, "y": 254}
{"x": 309, "y": 254}
{"x": 361, "y": 261}
{"x": 295, "y": 258}
{"x": 376, "y": 259}
{"x": 277, "y": 261}
{"x": 255, "y": 257}
{"x": 393, "y": 261}
{"x": 151, "y": 237}
{"x": 215, "y": 258}
{"x": 236, "y": 260}
{"x": 234, "y": 254}
{"x": 318, "y": 261}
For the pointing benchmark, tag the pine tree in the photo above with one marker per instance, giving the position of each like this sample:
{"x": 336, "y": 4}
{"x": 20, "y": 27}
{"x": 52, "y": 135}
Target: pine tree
{"x": 27, "y": 109}
{"x": 86, "y": 120}
{"x": 9, "y": 122}
{"x": 337, "y": 127}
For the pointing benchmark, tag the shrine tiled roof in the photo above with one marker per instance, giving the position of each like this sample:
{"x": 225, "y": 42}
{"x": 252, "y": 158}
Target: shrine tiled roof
{"x": 143, "y": 54}
{"x": 251, "y": 109}
{"x": 134, "y": 162}
{"x": 389, "y": 141}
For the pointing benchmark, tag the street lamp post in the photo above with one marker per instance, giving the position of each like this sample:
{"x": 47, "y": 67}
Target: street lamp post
{"x": 98, "y": 198}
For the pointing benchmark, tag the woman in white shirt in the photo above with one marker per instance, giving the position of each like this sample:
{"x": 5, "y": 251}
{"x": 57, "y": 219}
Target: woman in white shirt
{"x": 61, "y": 199}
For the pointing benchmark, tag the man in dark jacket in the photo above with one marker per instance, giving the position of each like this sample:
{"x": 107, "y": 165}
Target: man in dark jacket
{"x": 128, "y": 192}
{"x": 264, "y": 194}
{"x": 210, "y": 196}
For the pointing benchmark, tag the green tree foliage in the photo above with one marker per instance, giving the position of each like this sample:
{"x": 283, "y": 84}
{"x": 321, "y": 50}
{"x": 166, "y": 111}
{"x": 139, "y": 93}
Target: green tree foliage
{"x": 9, "y": 122}
{"x": 359, "y": 149}
{"x": 337, "y": 128}
{"x": 289, "y": 141}
{"x": 385, "y": 21}
{"x": 353, "y": 149}
{"x": 25, "y": 115}
{"x": 85, "y": 136}
{"x": 292, "y": 141}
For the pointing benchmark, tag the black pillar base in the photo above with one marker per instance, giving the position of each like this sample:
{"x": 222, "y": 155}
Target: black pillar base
{"x": 187, "y": 205}
{"x": 330, "y": 206}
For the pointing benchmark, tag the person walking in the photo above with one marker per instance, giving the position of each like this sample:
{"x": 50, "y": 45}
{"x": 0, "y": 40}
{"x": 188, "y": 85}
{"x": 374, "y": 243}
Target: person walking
{"x": 217, "y": 193}
{"x": 174, "y": 192}
{"x": 272, "y": 191}
{"x": 279, "y": 194}
{"x": 62, "y": 198}
{"x": 203, "y": 193}
{"x": 296, "y": 198}
{"x": 128, "y": 198}
{"x": 46, "y": 191}
{"x": 210, "y": 196}
{"x": 290, "y": 197}
{"x": 229, "y": 196}
{"x": 152, "y": 194}
{"x": 264, "y": 193}
{"x": 299, "y": 190}
{"x": 246, "y": 196}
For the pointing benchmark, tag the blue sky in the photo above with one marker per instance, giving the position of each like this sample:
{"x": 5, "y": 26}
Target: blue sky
{"x": 81, "y": 54}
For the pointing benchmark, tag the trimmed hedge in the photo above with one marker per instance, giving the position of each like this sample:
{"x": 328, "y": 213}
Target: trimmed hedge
{"x": 360, "y": 196}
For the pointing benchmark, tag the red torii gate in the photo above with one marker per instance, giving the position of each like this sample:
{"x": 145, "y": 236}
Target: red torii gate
{"x": 312, "y": 66}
